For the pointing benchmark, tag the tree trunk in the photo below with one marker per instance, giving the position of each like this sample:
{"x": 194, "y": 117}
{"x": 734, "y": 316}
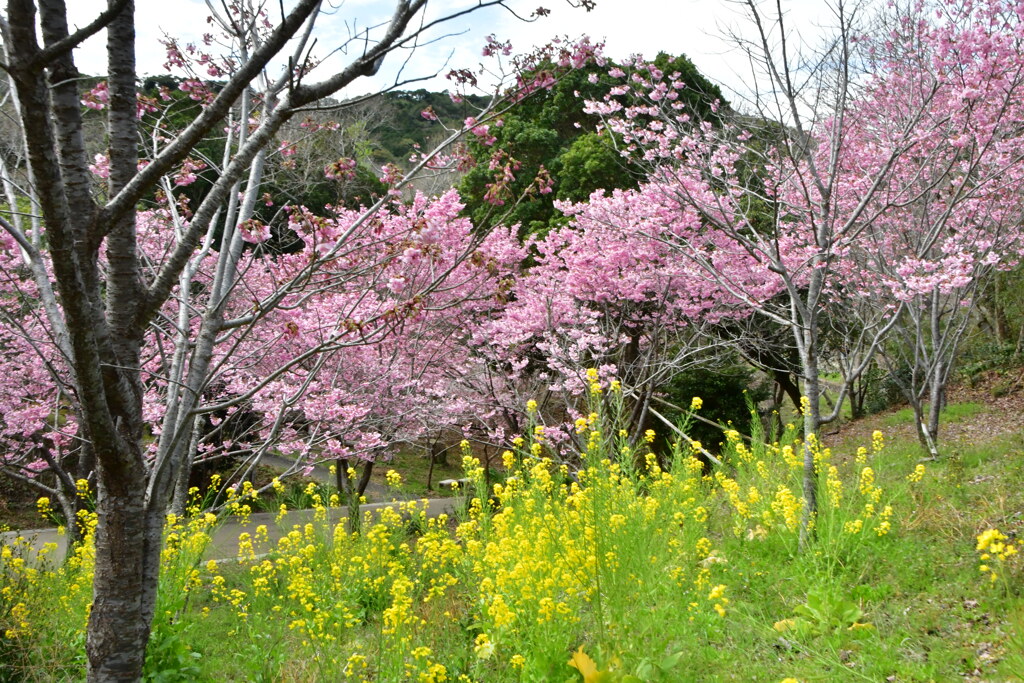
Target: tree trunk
{"x": 434, "y": 452}
{"x": 341, "y": 477}
{"x": 179, "y": 502}
{"x": 812, "y": 424}
{"x": 858, "y": 393}
{"x": 364, "y": 478}
{"x": 70, "y": 505}
{"x": 124, "y": 596}
{"x": 936, "y": 402}
{"x": 353, "y": 493}
{"x": 807, "y": 344}
{"x": 784, "y": 380}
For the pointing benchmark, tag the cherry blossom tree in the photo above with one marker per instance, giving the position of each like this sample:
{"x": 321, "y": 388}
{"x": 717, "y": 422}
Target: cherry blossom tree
{"x": 604, "y": 293}
{"x": 949, "y": 213}
{"x": 106, "y": 285}
{"x": 832, "y": 159}
{"x": 379, "y": 330}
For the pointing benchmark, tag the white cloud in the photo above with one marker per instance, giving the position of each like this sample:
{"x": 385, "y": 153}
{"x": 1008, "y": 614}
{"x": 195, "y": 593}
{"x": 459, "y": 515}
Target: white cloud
{"x": 647, "y": 27}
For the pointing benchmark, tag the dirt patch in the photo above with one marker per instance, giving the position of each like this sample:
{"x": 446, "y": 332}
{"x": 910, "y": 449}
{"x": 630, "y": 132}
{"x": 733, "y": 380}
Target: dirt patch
{"x": 999, "y": 392}
{"x": 18, "y": 505}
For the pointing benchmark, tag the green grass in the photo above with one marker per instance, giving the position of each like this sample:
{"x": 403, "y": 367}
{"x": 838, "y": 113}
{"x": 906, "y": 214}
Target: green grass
{"x": 954, "y": 412}
{"x": 414, "y": 464}
{"x": 620, "y": 563}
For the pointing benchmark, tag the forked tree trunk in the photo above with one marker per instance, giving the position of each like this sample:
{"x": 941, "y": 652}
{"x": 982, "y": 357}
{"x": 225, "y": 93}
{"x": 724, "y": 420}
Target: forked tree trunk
{"x": 106, "y": 310}
{"x": 352, "y": 491}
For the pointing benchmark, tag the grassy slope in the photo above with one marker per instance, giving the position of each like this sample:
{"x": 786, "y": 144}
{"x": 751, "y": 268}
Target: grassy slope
{"x": 937, "y": 617}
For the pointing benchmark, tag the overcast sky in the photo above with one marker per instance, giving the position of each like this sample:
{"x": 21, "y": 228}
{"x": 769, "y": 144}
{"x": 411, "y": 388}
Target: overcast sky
{"x": 691, "y": 27}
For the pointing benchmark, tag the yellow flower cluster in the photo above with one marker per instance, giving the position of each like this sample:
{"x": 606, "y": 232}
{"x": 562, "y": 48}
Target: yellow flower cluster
{"x": 917, "y": 475}
{"x": 788, "y": 507}
{"x": 877, "y": 441}
{"x": 995, "y": 550}
{"x": 851, "y": 510}
{"x": 532, "y": 563}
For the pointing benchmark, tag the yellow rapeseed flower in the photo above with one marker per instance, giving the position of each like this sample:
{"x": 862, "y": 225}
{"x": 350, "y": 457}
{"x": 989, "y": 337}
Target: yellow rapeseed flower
{"x": 917, "y": 474}
{"x": 877, "y": 441}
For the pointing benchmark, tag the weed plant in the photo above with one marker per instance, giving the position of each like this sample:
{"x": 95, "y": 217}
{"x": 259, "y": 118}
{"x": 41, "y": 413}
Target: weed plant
{"x": 614, "y": 563}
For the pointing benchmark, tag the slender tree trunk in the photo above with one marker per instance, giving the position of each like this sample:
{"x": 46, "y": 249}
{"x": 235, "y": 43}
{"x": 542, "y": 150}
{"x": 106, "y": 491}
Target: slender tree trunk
{"x": 341, "y": 477}
{"x": 70, "y": 505}
{"x": 351, "y": 493}
{"x": 784, "y": 381}
{"x": 364, "y": 478}
{"x": 936, "y": 402}
{"x": 807, "y": 344}
{"x": 812, "y": 424}
{"x": 180, "y": 501}
{"x": 434, "y": 452}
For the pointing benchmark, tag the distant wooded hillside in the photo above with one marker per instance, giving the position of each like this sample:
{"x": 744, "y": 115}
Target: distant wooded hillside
{"x": 404, "y": 125}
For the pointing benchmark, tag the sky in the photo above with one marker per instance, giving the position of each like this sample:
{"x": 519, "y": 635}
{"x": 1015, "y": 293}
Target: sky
{"x": 692, "y": 27}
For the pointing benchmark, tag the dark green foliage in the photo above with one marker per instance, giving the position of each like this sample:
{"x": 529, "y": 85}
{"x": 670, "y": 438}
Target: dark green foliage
{"x": 590, "y": 163}
{"x": 8, "y": 657}
{"x": 725, "y": 392}
{"x": 550, "y": 131}
{"x": 997, "y": 343}
{"x": 700, "y": 93}
{"x": 176, "y": 114}
{"x": 408, "y": 127}
{"x": 882, "y": 388}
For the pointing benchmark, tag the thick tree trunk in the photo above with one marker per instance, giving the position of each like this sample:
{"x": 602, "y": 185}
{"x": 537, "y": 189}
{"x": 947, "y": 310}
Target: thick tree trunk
{"x": 784, "y": 380}
{"x": 105, "y": 311}
{"x": 124, "y": 594}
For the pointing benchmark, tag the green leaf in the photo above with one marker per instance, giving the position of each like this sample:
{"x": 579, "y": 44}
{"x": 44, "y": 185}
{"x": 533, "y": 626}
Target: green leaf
{"x": 669, "y": 663}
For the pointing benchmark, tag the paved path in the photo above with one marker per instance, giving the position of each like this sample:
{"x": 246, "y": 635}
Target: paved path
{"x": 225, "y": 538}
{"x": 323, "y": 474}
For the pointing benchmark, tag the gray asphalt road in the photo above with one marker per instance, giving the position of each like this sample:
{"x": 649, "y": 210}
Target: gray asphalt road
{"x": 225, "y": 539}
{"x": 322, "y": 474}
